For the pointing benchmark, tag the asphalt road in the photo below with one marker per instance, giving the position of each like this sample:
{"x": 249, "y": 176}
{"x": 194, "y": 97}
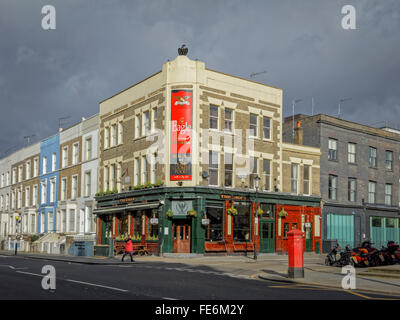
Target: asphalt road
{"x": 21, "y": 278}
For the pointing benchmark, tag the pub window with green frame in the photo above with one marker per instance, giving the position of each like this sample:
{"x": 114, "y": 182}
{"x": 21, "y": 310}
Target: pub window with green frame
{"x": 123, "y": 224}
{"x": 152, "y": 229}
{"x": 268, "y": 210}
{"x": 241, "y": 224}
{"x": 137, "y": 223}
{"x": 214, "y": 230}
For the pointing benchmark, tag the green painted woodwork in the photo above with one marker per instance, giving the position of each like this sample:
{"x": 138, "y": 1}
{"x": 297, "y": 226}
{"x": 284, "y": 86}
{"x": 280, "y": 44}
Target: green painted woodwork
{"x": 267, "y": 236}
{"x": 199, "y": 196}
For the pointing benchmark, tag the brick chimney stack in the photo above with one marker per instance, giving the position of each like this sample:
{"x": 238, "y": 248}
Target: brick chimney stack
{"x": 298, "y": 133}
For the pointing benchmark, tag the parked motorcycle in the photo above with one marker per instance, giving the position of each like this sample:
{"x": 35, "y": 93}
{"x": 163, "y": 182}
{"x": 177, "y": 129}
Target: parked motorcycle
{"x": 345, "y": 257}
{"x": 365, "y": 255}
{"x": 359, "y": 257}
{"x": 389, "y": 255}
{"x": 331, "y": 258}
{"x": 343, "y": 260}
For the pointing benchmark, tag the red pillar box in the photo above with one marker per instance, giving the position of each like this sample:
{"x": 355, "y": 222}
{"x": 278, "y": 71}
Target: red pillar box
{"x": 295, "y": 252}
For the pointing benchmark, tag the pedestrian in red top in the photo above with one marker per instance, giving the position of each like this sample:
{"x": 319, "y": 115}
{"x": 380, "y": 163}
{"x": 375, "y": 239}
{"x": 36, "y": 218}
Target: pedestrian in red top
{"x": 128, "y": 249}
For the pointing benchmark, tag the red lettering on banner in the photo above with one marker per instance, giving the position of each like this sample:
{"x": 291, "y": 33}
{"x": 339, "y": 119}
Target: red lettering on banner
{"x": 181, "y": 135}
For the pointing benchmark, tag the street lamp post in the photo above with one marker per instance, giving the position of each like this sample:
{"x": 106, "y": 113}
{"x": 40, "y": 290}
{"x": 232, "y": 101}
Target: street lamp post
{"x": 257, "y": 185}
{"x": 294, "y": 102}
{"x": 17, "y": 221}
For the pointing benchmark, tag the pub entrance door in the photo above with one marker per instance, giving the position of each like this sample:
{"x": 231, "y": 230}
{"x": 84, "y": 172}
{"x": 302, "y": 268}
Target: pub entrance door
{"x": 182, "y": 235}
{"x": 267, "y": 236}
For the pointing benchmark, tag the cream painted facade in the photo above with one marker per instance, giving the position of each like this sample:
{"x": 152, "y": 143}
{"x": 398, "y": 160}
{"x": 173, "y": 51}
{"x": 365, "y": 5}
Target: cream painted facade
{"x": 301, "y": 169}
{"x": 19, "y": 185}
{"x": 209, "y": 87}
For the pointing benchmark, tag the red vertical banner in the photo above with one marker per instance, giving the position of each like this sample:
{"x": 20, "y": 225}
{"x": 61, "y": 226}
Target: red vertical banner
{"x": 181, "y": 135}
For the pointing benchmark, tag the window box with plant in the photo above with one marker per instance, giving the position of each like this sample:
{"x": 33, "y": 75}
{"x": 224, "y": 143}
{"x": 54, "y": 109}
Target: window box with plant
{"x": 121, "y": 238}
{"x": 153, "y": 238}
{"x": 159, "y": 183}
{"x": 259, "y": 212}
{"x": 192, "y": 213}
{"x": 169, "y": 213}
{"x": 232, "y": 211}
{"x": 282, "y": 214}
{"x": 136, "y": 238}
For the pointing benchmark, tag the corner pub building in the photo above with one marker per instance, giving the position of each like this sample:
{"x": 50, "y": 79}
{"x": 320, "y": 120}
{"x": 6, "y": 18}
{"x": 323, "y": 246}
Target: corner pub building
{"x": 191, "y": 160}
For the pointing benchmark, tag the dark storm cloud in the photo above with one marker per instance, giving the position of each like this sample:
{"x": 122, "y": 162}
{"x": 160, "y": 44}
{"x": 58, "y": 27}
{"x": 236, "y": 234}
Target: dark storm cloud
{"x": 101, "y": 47}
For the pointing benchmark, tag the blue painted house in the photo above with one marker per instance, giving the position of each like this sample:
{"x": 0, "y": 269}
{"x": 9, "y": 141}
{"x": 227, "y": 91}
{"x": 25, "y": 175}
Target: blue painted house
{"x": 49, "y": 179}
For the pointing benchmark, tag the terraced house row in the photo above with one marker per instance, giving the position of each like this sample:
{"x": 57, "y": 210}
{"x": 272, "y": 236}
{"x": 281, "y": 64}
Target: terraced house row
{"x": 192, "y": 160}
{"x": 47, "y": 191}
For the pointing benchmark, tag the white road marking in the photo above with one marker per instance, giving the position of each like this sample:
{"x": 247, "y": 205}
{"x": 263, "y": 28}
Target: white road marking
{"x": 97, "y": 285}
{"x": 75, "y": 281}
{"x": 12, "y": 267}
{"x": 32, "y": 274}
{"x": 166, "y": 298}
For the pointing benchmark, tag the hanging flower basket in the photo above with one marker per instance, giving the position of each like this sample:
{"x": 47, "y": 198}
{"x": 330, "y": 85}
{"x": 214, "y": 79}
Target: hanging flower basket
{"x": 192, "y": 213}
{"x": 282, "y": 214}
{"x": 169, "y": 213}
{"x": 259, "y": 212}
{"x": 232, "y": 211}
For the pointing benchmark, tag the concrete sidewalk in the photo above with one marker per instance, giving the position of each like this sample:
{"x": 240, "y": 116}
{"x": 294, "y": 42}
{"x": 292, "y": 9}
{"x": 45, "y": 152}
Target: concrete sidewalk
{"x": 271, "y": 267}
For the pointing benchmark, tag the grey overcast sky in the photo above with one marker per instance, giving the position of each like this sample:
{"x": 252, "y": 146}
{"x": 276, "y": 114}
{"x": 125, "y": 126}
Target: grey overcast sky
{"x": 100, "y": 47}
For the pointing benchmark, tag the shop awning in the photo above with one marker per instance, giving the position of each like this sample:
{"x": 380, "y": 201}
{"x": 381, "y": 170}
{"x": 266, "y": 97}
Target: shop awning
{"x": 139, "y": 206}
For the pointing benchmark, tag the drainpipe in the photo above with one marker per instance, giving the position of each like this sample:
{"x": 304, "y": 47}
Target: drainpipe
{"x": 363, "y": 221}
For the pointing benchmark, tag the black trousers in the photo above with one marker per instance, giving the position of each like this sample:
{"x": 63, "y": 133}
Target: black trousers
{"x": 126, "y": 253}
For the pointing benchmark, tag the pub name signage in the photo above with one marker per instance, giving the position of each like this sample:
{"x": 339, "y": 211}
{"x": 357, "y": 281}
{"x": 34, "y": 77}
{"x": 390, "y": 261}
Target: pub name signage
{"x": 127, "y": 200}
{"x": 229, "y": 197}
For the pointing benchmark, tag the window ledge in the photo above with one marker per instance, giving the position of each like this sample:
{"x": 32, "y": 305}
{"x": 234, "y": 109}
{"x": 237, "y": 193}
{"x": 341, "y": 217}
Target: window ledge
{"x": 139, "y": 138}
